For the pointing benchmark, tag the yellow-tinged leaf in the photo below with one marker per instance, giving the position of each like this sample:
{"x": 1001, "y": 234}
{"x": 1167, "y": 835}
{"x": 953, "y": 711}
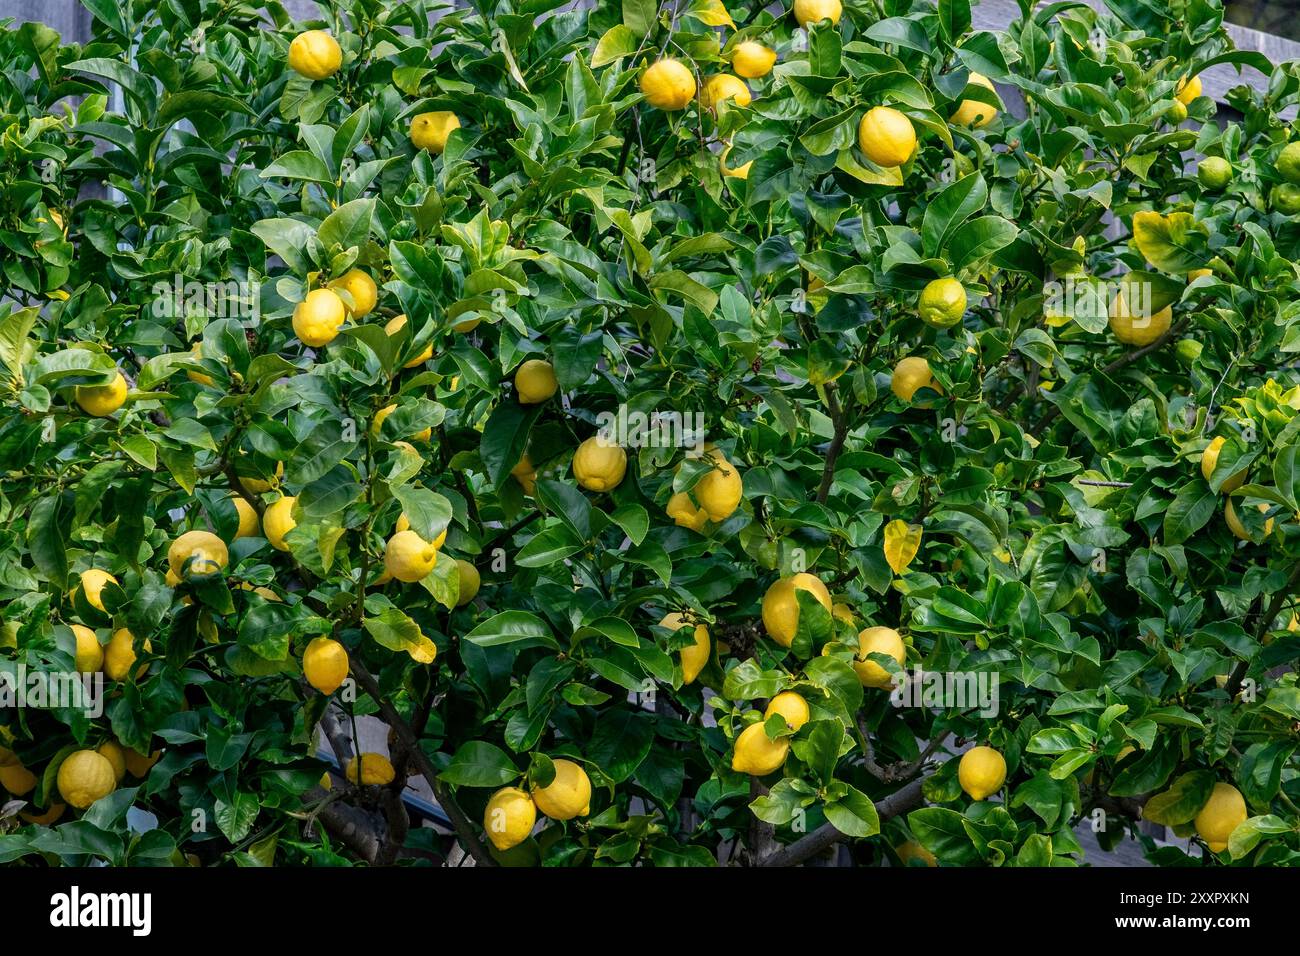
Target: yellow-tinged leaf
{"x": 902, "y": 541}
{"x": 1170, "y": 243}
{"x": 711, "y": 13}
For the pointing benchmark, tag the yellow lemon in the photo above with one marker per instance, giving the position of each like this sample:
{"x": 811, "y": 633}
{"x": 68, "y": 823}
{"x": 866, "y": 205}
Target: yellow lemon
{"x": 200, "y": 377}
{"x": 1188, "y": 90}
{"x": 694, "y": 656}
{"x": 524, "y": 473}
{"x": 719, "y": 491}
{"x": 373, "y": 769}
{"x": 1137, "y": 330}
{"x": 113, "y": 752}
{"x": 981, "y": 772}
{"x": 408, "y": 557}
{"x": 886, "y": 136}
{"x": 509, "y": 817}
{"x": 84, "y": 777}
{"x": 942, "y": 303}
{"x": 315, "y": 54}
{"x": 249, "y": 525}
{"x": 138, "y": 765}
{"x": 404, "y": 524}
{"x": 325, "y": 664}
{"x": 814, "y": 11}
{"x": 1222, "y": 813}
{"x": 724, "y": 86}
{"x": 361, "y": 288}
{"x": 599, "y": 465}
{"x": 684, "y": 513}
{"x": 430, "y": 130}
{"x": 781, "y": 606}
{"x": 973, "y": 112}
{"x": 910, "y": 376}
{"x": 318, "y": 317}
{"x": 90, "y": 655}
{"x": 255, "y": 486}
{"x": 535, "y": 382}
{"x": 752, "y": 60}
{"x": 668, "y": 84}
{"x": 102, "y": 400}
{"x": 277, "y": 521}
{"x": 197, "y": 552}
{"x": 790, "y": 706}
{"x": 842, "y": 612}
{"x": 756, "y": 754}
{"x": 394, "y": 326}
{"x": 469, "y": 579}
{"x": 92, "y": 584}
{"x": 1235, "y": 525}
{"x": 119, "y": 655}
{"x": 739, "y": 172}
{"x": 877, "y": 640}
{"x": 1210, "y": 458}
{"x": 377, "y": 423}
{"x": 568, "y": 795}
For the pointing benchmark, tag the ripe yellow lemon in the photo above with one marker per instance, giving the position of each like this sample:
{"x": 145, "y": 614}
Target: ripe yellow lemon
{"x": 430, "y": 130}
{"x": 790, "y": 706}
{"x": 781, "y": 606}
{"x": 197, "y": 553}
{"x": 377, "y": 423}
{"x": 361, "y": 288}
{"x": 317, "y": 318}
{"x": 394, "y": 326}
{"x": 1210, "y": 458}
{"x": 599, "y": 465}
{"x": 119, "y": 655}
{"x": 910, "y": 376}
{"x": 138, "y": 765}
{"x": 694, "y": 656}
{"x": 981, "y": 772}
{"x": 942, "y": 303}
{"x": 568, "y": 795}
{"x": 684, "y": 513}
{"x": 724, "y": 86}
{"x": 877, "y": 640}
{"x": 404, "y": 524}
{"x": 1222, "y": 813}
{"x": 719, "y": 491}
{"x": 84, "y": 777}
{"x": 255, "y": 486}
{"x": 524, "y": 473}
{"x": 200, "y": 377}
{"x": 739, "y": 172}
{"x": 325, "y": 664}
{"x": 249, "y": 525}
{"x": 408, "y": 557}
{"x": 469, "y": 582}
{"x": 277, "y": 521}
{"x": 752, "y": 60}
{"x": 1235, "y": 525}
{"x": 756, "y": 754}
{"x": 814, "y": 11}
{"x": 92, "y": 584}
{"x": 973, "y": 112}
{"x": 842, "y": 612}
{"x": 1137, "y": 330}
{"x": 886, "y": 136}
{"x": 509, "y": 817}
{"x": 1188, "y": 90}
{"x": 114, "y": 753}
{"x": 668, "y": 84}
{"x": 315, "y": 54}
{"x": 373, "y": 769}
{"x": 102, "y": 400}
{"x": 535, "y": 382}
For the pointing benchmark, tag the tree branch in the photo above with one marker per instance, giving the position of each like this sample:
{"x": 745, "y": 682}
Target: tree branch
{"x": 837, "y": 441}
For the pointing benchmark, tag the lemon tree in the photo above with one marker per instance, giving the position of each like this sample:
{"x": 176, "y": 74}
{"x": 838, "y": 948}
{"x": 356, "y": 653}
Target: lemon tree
{"x": 702, "y": 434}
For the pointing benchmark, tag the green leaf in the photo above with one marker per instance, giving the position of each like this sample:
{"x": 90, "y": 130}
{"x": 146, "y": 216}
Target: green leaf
{"x": 509, "y": 627}
{"x": 479, "y": 764}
